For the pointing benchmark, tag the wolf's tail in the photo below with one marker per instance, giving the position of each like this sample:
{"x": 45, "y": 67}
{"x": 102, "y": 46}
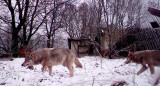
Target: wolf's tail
{"x": 78, "y": 64}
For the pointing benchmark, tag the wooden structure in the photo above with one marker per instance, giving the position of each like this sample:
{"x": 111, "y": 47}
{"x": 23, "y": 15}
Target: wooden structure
{"x": 21, "y": 52}
{"x": 79, "y": 46}
{"x": 144, "y": 37}
{"x": 98, "y": 46}
{"x": 154, "y": 11}
{"x": 114, "y": 34}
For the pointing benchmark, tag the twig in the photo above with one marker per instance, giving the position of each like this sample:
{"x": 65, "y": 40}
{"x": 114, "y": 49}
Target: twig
{"x": 93, "y": 81}
{"x": 95, "y": 43}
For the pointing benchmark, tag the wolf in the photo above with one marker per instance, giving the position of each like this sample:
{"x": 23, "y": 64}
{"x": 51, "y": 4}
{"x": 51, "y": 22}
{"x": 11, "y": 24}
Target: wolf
{"x": 156, "y": 79}
{"x": 49, "y": 57}
{"x": 145, "y": 57}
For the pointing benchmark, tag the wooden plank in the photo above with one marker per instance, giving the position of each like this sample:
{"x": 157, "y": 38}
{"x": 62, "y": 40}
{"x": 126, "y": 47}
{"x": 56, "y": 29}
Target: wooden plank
{"x": 153, "y": 11}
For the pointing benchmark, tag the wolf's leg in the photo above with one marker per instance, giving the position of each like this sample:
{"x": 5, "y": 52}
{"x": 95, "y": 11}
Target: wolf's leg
{"x": 151, "y": 67}
{"x": 45, "y": 65}
{"x": 70, "y": 68}
{"x": 142, "y": 69}
{"x": 50, "y": 70}
{"x": 44, "y": 68}
{"x": 156, "y": 81}
{"x": 71, "y": 71}
{"x": 127, "y": 61}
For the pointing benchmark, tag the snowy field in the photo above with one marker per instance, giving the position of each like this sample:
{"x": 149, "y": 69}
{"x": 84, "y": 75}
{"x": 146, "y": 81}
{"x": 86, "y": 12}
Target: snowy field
{"x": 95, "y": 72}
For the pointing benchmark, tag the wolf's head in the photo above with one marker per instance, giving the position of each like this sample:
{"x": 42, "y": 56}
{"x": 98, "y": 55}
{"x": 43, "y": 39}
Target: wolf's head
{"x": 130, "y": 55}
{"x": 29, "y": 59}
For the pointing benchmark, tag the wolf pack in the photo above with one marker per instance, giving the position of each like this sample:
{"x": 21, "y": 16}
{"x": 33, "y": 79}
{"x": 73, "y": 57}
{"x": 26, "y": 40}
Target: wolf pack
{"x": 49, "y": 57}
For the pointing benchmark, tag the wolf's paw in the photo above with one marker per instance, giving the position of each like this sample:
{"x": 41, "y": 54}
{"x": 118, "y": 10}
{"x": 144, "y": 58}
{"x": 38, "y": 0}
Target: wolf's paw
{"x": 30, "y": 67}
{"x": 44, "y": 69}
{"x": 51, "y": 74}
{"x": 71, "y": 75}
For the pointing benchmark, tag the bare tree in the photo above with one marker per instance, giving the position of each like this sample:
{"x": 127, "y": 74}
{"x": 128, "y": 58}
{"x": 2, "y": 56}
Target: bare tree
{"x": 120, "y": 14}
{"x": 71, "y": 21}
{"x": 5, "y": 42}
{"x": 83, "y": 14}
{"x": 32, "y": 24}
{"x": 36, "y": 18}
{"x": 154, "y": 4}
{"x": 26, "y": 17}
{"x": 82, "y": 21}
{"x": 53, "y": 21}
{"x": 18, "y": 14}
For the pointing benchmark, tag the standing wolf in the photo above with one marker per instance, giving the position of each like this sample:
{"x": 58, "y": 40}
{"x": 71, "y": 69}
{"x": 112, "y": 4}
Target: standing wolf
{"x": 49, "y": 57}
{"x": 150, "y": 57}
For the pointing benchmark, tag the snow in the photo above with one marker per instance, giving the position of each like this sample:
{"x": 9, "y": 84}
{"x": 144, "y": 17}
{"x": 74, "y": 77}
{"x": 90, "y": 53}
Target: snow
{"x": 96, "y": 71}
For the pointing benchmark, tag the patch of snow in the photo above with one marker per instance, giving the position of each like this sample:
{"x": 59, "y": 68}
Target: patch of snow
{"x": 96, "y": 71}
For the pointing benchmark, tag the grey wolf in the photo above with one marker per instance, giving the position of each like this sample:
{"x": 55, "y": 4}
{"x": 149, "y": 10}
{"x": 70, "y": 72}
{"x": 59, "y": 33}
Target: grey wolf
{"x": 146, "y": 57}
{"x": 49, "y": 57}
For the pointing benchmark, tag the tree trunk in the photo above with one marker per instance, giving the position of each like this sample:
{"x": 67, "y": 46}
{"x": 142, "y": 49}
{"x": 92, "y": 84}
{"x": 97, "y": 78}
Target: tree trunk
{"x": 49, "y": 42}
{"x": 14, "y": 47}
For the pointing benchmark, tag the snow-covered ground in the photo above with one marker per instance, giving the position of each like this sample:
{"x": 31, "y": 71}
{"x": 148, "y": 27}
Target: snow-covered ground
{"x": 96, "y": 71}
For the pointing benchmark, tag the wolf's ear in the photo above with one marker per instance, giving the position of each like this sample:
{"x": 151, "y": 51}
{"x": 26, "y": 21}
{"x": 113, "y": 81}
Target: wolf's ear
{"x": 27, "y": 52}
{"x": 131, "y": 54}
{"x": 33, "y": 56}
